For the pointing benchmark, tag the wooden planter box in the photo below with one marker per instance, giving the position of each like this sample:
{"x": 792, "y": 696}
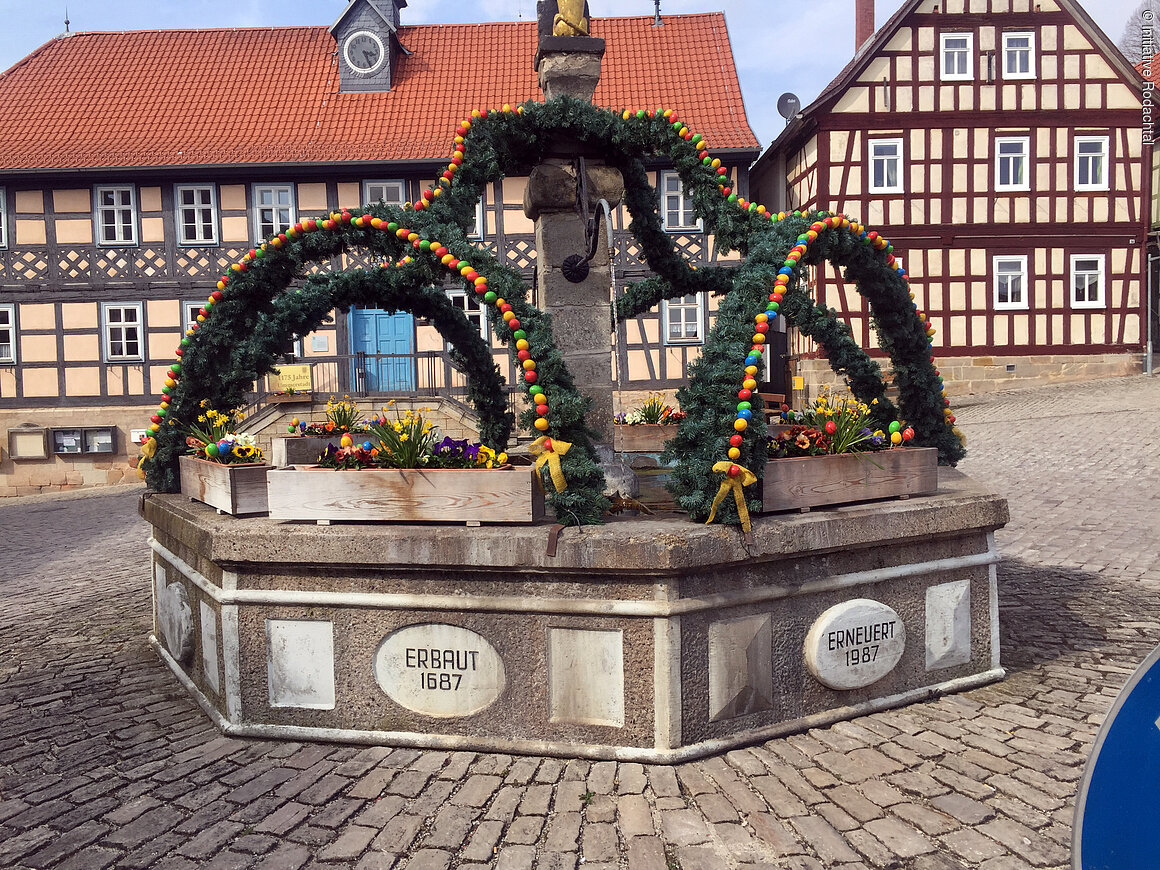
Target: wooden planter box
{"x": 813, "y": 481}
{"x": 232, "y": 489}
{"x": 299, "y": 449}
{"x": 409, "y": 495}
{"x": 642, "y": 437}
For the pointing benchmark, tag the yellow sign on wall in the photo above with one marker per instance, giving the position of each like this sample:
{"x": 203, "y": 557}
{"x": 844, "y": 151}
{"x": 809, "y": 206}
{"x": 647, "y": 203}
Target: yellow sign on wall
{"x": 799, "y": 382}
{"x": 295, "y": 378}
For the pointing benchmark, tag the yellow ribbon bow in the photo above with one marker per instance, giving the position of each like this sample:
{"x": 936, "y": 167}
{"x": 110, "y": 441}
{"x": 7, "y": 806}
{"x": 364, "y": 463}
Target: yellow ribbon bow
{"x": 549, "y": 450}
{"x": 743, "y": 478}
{"x": 148, "y": 449}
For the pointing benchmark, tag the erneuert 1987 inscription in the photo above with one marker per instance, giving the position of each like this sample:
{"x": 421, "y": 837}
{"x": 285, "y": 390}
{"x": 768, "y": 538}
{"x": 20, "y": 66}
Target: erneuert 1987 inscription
{"x": 854, "y": 644}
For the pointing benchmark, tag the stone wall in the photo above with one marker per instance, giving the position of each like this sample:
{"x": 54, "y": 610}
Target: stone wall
{"x": 628, "y": 400}
{"x": 967, "y": 375}
{"x": 451, "y": 418}
{"x": 71, "y": 471}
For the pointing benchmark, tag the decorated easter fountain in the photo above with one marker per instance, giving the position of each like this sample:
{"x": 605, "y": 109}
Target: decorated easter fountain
{"x": 488, "y": 615}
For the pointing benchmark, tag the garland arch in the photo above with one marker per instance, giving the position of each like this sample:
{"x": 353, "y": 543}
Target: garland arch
{"x": 222, "y": 357}
{"x": 391, "y": 288}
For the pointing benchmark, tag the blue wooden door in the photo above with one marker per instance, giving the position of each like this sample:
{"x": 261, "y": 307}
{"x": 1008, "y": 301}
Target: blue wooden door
{"x": 388, "y": 339}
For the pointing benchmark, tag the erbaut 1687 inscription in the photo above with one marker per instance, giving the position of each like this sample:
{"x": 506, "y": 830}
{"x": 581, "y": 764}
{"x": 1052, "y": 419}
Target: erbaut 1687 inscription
{"x": 439, "y": 670}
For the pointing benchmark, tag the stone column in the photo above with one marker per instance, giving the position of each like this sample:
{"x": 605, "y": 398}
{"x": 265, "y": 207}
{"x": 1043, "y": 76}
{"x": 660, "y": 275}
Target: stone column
{"x": 581, "y": 311}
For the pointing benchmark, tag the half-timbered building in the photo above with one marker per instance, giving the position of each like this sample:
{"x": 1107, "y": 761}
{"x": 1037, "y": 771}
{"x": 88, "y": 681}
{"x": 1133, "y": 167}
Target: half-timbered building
{"x": 998, "y": 144}
{"x": 136, "y": 166}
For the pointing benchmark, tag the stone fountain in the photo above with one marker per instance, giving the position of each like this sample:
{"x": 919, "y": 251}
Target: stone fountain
{"x": 654, "y": 640}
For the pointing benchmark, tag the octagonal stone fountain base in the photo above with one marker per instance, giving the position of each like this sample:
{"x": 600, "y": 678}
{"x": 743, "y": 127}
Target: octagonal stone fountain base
{"x": 652, "y": 640}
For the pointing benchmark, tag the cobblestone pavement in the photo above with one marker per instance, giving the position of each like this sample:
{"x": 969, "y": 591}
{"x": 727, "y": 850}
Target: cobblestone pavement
{"x": 106, "y": 762}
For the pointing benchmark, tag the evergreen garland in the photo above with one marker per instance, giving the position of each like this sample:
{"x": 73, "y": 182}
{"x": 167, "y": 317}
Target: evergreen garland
{"x": 254, "y": 320}
{"x": 710, "y": 405}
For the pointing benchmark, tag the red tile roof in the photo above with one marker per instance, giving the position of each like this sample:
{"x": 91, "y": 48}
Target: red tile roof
{"x": 1153, "y": 66}
{"x": 265, "y": 95}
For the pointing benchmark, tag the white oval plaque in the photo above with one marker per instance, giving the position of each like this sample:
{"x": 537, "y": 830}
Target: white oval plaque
{"x": 854, "y": 644}
{"x": 439, "y": 670}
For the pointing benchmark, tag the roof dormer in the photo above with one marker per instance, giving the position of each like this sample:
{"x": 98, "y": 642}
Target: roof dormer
{"x": 367, "y": 44}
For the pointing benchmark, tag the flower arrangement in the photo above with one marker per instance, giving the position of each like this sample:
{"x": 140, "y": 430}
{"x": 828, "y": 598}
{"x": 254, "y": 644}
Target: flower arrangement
{"x": 342, "y": 415}
{"x": 654, "y": 410}
{"x": 212, "y": 437}
{"x": 451, "y": 453}
{"x": 834, "y": 425}
{"x": 408, "y": 441}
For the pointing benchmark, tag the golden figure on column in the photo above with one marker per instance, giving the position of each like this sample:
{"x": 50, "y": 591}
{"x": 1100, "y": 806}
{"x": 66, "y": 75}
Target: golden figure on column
{"x": 562, "y": 17}
{"x": 571, "y": 19}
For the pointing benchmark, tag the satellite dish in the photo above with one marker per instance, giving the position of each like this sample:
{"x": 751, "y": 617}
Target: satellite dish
{"x": 788, "y": 105}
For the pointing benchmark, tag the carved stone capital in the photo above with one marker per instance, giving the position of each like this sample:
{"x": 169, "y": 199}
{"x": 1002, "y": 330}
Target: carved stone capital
{"x": 551, "y": 188}
{"x": 569, "y": 65}
{"x": 604, "y": 182}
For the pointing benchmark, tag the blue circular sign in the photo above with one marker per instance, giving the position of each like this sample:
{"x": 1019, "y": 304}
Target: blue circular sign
{"x": 1119, "y": 800}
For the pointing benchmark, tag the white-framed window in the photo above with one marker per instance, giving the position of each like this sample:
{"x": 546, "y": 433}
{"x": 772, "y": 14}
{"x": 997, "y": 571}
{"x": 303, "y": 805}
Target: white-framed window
{"x": 1087, "y": 280}
{"x": 3, "y": 220}
{"x": 886, "y": 166}
{"x": 123, "y": 333}
{"x": 273, "y": 209}
{"x": 1010, "y": 282}
{"x": 1019, "y": 55}
{"x": 1091, "y": 162}
{"x": 475, "y": 231}
{"x": 197, "y": 214}
{"x": 116, "y": 215}
{"x": 391, "y": 192}
{"x": 1011, "y": 159}
{"x": 677, "y": 205}
{"x": 7, "y": 334}
{"x": 683, "y": 319}
{"x": 956, "y": 51}
{"x": 469, "y": 304}
{"x": 189, "y": 312}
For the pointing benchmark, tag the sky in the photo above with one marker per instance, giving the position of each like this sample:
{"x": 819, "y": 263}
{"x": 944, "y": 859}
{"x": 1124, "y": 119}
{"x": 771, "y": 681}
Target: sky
{"x": 778, "y": 47}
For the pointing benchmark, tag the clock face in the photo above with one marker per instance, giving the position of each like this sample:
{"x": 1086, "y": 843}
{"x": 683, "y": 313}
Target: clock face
{"x": 364, "y": 51}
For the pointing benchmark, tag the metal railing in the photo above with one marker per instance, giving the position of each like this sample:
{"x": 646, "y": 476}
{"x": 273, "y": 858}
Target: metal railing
{"x": 363, "y": 375}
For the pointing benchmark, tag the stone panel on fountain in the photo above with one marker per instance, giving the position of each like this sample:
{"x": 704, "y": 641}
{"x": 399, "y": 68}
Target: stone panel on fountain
{"x": 174, "y": 615}
{"x": 948, "y": 625}
{"x": 300, "y": 663}
{"x": 740, "y": 667}
{"x": 209, "y": 647}
{"x": 586, "y": 676}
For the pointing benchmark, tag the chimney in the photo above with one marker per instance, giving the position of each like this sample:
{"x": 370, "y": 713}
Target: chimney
{"x": 863, "y": 22}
